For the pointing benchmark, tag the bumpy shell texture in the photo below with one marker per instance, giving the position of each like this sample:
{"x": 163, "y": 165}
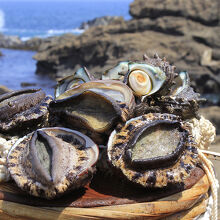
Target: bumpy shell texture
{"x": 23, "y": 109}
{"x": 52, "y": 161}
{"x": 156, "y": 169}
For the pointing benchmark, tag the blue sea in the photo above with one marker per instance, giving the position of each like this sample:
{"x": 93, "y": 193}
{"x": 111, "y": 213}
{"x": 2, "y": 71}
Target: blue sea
{"x": 31, "y": 18}
{"x": 47, "y": 18}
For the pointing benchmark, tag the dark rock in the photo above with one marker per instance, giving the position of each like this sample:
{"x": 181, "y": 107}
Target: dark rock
{"x": 105, "y": 20}
{"x": 204, "y": 11}
{"x": 1, "y": 53}
{"x": 4, "y": 89}
{"x": 26, "y": 84}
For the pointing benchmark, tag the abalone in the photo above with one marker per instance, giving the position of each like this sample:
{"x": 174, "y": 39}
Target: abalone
{"x": 95, "y": 106}
{"x": 154, "y": 150}
{"x": 23, "y": 110}
{"x": 52, "y": 161}
{"x": 79, "y": 77}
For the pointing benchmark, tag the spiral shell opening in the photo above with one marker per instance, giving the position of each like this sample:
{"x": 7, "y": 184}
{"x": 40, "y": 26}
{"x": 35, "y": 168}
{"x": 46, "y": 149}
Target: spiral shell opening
{"x": 140, "y": 82}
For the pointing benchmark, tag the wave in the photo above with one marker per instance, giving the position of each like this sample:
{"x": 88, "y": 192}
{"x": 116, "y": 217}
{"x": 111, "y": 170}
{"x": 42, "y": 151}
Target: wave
{"x": 2, "y": 19}
{"x": 58, "y": 32}
{"x": 26, "y": 34}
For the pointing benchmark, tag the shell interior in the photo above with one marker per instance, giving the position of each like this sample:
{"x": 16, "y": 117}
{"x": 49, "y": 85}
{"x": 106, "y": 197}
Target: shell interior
{"x": 52, "y": 160}
{"x": 182, "y": 82}
{"x": 155, "y": 77}
{"x": 162, "y": 141}
{"x": 112, "y": 88}
{"x": 116, "y": 72}
{"x": 79, "y": 77}
{"x": 94, "y": 111}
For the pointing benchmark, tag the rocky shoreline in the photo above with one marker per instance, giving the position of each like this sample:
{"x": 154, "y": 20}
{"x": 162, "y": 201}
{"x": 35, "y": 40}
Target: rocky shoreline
{"x": 187, "y": 36}
{"x": 186, "y": 33}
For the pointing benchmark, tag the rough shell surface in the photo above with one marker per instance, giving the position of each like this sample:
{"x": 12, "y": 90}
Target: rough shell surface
{"x": 64, "y": 162}
{"x": 23, "y": 109}
{"x": 158, "y": 177}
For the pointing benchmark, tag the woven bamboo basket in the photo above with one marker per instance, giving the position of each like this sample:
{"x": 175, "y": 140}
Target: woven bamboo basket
{"x": 14, "y": 204}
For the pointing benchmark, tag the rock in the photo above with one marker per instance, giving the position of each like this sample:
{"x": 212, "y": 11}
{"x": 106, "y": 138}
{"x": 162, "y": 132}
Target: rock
{"x": 203, "y": 11}
{"x": 10, "y": 41}
{"x": 212, "y": 114}
{"x": 4, "y": 89}
{"x": 184, "y": 35}
{"x": 1, "y": 54}
{"x": 33, "y": 43}
{"x": 105, "y": 20}
{"x": 26, "y": 84}
{"x": 14, "y": 42}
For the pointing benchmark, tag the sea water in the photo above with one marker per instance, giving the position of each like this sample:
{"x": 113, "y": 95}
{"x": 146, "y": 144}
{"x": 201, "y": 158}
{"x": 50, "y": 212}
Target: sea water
{"x": 44, "y": 18}
{"x": 54, "y": 17}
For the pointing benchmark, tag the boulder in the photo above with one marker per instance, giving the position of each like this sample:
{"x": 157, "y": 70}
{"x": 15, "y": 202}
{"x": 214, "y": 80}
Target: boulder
{"x": 10, "y": 41}
{"x": 203, "y": 11}
{"x": 15, "y": 42}
{"x": 4, "y": 89}
{"x": 100, "y": 21}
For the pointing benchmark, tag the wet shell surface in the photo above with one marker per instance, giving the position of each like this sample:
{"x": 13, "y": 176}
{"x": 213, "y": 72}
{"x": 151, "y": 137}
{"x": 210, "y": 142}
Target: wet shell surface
{"x": 79, "y": 77}
{"x": 153, "y": 150}
{"x": 144, "y": 79}
{"x": 22, "y": 109}
{"x": 96, "y": 106}
{"x": 52, "y": 161}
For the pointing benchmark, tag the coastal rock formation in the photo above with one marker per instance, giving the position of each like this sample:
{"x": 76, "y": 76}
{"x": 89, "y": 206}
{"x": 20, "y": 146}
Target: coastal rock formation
{"x": 9, "y": 41}
{"x": 105, "y": 20}
{"x": 4, "y": 89}
{"x": 15, "y": 42}
{"x": 185, "y": 32}
{"x": 203, "y": 11}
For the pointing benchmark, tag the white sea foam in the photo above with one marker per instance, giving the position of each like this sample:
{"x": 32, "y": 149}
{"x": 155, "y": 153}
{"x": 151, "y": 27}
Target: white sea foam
{"x": 2, "y": 19}
{"x": 52, "y": 32}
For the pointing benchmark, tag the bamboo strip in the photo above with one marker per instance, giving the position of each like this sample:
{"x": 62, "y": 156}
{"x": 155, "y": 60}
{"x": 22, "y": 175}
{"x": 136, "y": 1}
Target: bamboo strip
{"x": 147, "y": 210}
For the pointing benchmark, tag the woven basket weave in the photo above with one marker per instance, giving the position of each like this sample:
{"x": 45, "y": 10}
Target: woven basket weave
{"x": 185, "y": 205}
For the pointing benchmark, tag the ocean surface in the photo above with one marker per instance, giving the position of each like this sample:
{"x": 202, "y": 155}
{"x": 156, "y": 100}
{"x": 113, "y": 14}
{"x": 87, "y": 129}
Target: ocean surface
{"x": 30, "y": 18}
{"x": 47, "y": 18}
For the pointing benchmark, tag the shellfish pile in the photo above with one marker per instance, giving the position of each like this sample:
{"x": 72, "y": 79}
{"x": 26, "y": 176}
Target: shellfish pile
{"x": 143, "y": 114}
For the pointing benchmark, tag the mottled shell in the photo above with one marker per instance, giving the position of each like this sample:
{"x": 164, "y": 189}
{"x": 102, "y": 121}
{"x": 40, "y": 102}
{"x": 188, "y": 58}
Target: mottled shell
{"x": 23, "y": 109}
{"x": 157, "y": 173}
{"x": 52, "y": 161}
